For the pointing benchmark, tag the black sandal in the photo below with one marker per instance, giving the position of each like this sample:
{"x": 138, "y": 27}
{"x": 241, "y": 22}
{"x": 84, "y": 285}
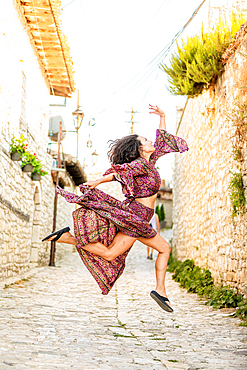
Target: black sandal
{"x": 59, "y": 233}
{"x": 161, "y": 301}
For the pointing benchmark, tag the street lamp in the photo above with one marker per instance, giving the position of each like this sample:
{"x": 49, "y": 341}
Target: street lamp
{"x": 94, "y": 157}
{"x": 89, "y": 142}
{"x": 78, "y": 117}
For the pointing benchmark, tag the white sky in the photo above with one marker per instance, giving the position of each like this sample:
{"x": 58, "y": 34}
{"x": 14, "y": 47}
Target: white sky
{"x": 111, "y": 42}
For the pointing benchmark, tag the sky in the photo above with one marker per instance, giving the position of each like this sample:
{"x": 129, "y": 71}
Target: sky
{"x": 114, "y": 46}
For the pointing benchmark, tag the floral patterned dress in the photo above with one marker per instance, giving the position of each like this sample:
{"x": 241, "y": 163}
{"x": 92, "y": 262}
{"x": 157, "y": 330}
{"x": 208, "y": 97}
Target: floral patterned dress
{"x": 102, "y": 216}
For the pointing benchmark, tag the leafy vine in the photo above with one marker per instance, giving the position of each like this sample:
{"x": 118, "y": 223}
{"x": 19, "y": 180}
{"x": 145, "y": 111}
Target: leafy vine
{"x": 238, "y": 119}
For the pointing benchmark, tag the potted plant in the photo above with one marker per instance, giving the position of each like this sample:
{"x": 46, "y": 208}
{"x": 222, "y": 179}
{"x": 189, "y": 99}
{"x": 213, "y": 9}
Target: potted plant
{"x": 28, "y": 161}
{"x": 36, "y": 174}
{"x": 17, "y": 148}
{"x": 37, "y": 170}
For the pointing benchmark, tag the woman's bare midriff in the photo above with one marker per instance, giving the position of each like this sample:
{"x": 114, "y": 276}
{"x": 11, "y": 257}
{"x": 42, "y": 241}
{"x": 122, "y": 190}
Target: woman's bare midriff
{"x": 148, "y": 202}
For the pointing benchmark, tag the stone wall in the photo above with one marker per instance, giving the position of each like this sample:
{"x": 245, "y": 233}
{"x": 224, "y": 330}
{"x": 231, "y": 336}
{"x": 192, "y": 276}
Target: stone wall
{"x": 203, "y": 227}
{"x": 26, "y": 206}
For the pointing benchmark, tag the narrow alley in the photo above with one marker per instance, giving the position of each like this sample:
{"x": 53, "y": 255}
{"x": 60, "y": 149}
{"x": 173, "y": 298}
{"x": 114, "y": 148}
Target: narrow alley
{"x": 56, "y": 318}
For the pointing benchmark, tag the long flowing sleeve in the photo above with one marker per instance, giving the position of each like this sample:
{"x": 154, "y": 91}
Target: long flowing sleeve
{"x": 167, "y": 143}
{"x": 125, "y": 174}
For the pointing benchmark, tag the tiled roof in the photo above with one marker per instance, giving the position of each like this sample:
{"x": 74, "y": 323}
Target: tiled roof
{"x": 43, "y": 24}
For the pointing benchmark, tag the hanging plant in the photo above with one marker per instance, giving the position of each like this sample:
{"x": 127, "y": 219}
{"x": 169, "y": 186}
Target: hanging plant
{"x": 31, "y": 163}
{"x": 28, "y": 161}
{"x": 18, "y": 147}
{"x": 38, "y": 173}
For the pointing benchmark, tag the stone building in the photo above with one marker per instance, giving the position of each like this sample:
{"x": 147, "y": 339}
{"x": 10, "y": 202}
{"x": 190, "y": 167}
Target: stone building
{"x": 35, "y": 62}
{"x": 203, "y": 226}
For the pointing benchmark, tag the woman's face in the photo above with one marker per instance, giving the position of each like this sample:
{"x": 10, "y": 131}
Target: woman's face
{"x": 147, "y": 145}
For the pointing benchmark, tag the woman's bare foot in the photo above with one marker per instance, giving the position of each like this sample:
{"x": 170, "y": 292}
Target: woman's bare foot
{"x": 67, "y": 238}
{"x": 161, "y": 292}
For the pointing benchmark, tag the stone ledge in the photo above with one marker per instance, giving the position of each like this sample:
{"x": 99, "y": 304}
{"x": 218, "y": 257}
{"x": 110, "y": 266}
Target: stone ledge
{"x": 16, "y": 211}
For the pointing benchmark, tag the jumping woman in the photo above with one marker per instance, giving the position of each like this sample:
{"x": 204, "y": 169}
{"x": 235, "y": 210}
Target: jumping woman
{"x": 105, "y": 228}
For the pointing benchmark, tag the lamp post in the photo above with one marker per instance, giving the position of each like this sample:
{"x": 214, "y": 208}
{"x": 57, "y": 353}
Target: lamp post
{"x": 78, "y": 117}
{"x": 94, "y": 157}
{"x": 78, "y": 114}
{"x": 90, "y": 124}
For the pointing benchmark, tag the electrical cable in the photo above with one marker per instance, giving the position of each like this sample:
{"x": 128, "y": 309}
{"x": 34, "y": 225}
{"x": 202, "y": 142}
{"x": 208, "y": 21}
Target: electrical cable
{"x": 165, "y": 51}
{"x": 158, "y": 12}
{"x": 150, "y": 87}
{"x": 162, "y": 54}
{"x": 68, "y": 4}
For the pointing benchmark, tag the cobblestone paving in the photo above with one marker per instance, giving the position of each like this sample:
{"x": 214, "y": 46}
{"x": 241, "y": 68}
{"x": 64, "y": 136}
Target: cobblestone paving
{"x": 57, "y": 319}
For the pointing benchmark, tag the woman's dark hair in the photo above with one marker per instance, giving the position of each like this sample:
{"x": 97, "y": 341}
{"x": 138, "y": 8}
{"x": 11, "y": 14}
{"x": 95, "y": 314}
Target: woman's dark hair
{"x": 124, "y": 150}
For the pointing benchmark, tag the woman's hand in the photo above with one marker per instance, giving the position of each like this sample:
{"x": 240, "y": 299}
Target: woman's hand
{"x": 153, "y": 109}
{"x": 92, "y": 184}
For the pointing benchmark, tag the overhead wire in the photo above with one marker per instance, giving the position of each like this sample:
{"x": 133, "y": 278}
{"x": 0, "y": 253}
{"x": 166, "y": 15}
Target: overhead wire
{"x": 146, "y": 65}
{"x": 68, "y": 4}
{"x": 166, "y": 50}
{"x": 161, "y": 55}
{"x": 150, "y": 86}
{"x": 158, "y": 12}
{"x": 153, "y": 63}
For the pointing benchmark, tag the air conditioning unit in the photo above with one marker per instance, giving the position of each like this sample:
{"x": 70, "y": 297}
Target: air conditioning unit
{"x": 54, "y": 128}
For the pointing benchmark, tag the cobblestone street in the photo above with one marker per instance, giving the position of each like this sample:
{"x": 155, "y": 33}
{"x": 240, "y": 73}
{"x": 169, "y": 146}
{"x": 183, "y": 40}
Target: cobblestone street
{"x": 56, "y": 318}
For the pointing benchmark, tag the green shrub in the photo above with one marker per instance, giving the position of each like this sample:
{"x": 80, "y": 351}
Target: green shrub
{"x": 173, "y": 264}
{"x": 192, "y": 278}
{"x": 242, "y": 311}
{"x": 162, "y": 212}
{"x": 224, "y": 296}
{"x": 197, "y": 61}
{"x": 157, "y": 211}
{"x": 200, "y": 281}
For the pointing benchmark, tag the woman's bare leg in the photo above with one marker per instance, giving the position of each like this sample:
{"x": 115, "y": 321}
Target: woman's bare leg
{"x": 119, "y": 245}
{"x": 151, "y": 253}
{"x": 123, "y": 242}
{"x": 164, "y": 250}
{"x": 148, "y": 252}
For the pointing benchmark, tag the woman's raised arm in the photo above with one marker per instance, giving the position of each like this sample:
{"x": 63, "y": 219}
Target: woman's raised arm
{"x": 93, "y": 184}
{"x": 156, "y": 110}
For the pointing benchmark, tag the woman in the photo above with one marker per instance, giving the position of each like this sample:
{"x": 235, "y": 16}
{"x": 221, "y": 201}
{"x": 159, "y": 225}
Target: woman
{"x": 105, "y": 228}
{"x": 155, "y": 224}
